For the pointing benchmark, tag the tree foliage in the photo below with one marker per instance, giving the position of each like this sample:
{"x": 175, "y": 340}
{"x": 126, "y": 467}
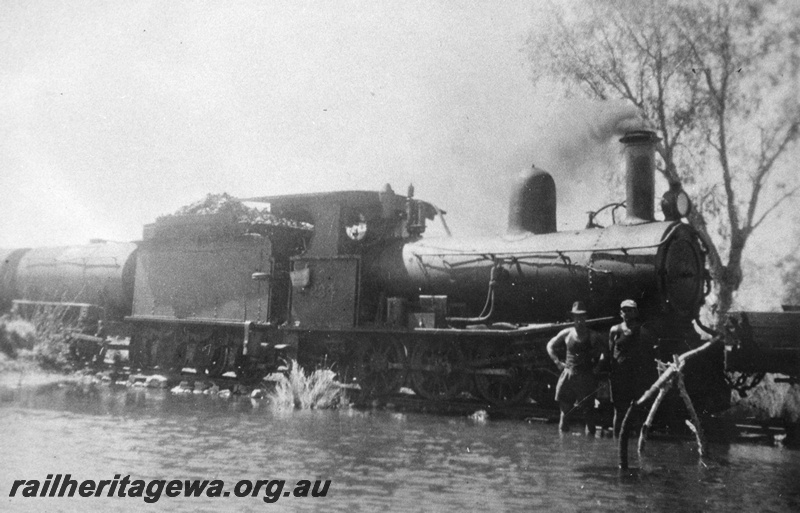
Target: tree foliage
{"x": 718, "y": 79}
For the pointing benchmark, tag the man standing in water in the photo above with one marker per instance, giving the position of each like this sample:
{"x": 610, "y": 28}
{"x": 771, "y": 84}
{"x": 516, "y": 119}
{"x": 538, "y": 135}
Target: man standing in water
{"x": 577, "y": 383}
{"x": 633, "y": 367}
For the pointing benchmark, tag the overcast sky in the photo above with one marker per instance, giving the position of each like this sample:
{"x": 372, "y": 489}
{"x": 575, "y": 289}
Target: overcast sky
{"x": 113, "y": 113}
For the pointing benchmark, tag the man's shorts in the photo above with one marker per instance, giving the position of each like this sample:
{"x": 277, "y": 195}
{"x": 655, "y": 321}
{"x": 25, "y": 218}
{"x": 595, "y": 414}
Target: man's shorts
{"x": 574, "y": 386}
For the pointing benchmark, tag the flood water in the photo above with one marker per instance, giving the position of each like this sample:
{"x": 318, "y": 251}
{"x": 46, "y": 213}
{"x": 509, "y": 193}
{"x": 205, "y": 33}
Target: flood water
{"x": 375, "y": 460}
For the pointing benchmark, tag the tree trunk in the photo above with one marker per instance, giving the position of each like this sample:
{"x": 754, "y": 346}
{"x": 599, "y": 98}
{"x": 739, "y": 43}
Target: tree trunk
{"x": 724, "y": 301}
{"x": 731, "y": 278}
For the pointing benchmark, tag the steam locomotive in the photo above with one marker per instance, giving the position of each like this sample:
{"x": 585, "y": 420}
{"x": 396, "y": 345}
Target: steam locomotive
{"x": 348, "y": 279}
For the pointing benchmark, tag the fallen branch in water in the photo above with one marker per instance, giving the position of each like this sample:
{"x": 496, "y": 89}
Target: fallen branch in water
{"x": 670, "y": 376}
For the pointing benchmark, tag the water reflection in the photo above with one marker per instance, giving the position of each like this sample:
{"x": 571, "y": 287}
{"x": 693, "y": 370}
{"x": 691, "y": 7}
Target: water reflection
{"x": 376, "y": 460}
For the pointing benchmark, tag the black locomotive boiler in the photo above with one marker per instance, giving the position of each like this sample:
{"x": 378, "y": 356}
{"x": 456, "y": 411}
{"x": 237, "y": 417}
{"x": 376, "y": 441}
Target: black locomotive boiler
{"x": 349, "y": 279}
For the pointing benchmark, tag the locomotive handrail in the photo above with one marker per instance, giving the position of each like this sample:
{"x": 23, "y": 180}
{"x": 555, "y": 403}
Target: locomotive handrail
{"x": 594, "y": 213}
{"x": 511, "y": 260}
{"x": 557, "y": 252}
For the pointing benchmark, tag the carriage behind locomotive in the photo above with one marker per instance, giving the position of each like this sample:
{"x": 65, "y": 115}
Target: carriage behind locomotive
{"x": 347, "y": 279}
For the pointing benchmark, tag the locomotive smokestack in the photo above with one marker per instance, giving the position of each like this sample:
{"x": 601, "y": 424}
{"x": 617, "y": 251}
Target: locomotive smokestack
{"x": 640, "y": 161}
{"x": 533, "y": 203}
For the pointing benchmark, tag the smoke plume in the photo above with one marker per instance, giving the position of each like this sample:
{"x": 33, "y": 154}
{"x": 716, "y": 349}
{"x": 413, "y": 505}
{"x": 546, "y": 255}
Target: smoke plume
{"x": 578, "y": 143}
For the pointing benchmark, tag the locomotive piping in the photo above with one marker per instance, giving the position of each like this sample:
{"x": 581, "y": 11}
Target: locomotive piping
{"x": 489, "y": 305}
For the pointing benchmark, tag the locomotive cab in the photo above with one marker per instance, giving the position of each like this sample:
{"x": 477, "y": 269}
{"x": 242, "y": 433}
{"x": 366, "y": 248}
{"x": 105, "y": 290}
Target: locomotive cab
{"x": 327, "y": 290}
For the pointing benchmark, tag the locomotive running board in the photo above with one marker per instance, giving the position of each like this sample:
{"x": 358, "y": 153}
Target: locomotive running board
{"x": 199, "y": 321}
{"x": 523, "y": 330}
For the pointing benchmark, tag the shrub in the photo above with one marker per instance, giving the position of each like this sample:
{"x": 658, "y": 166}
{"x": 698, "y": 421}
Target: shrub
{"x": 16, "y": 334}
{"x": 53, "y": 326}
{"x": 771, "y": 400}
{"x": 43, "y": 337}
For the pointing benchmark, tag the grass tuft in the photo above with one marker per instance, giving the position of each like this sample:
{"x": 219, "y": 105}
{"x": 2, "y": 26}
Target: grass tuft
{"x": 297, "y": 390}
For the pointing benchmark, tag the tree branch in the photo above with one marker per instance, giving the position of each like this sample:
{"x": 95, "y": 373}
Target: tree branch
{"x": 764, "y": 167}
{"x": 774, "y": 206}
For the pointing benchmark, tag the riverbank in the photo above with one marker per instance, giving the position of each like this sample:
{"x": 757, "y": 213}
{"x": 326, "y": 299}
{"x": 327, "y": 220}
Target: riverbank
{"x": 22, "y": 372}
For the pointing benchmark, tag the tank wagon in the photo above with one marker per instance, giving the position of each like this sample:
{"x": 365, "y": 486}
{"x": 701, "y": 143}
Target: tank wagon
{"x": 349, "y": 279}
{"x": 84, "y": 283}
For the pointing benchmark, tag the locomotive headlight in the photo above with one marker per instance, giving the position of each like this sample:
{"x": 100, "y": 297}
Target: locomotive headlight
{"x": 675, "y": 203}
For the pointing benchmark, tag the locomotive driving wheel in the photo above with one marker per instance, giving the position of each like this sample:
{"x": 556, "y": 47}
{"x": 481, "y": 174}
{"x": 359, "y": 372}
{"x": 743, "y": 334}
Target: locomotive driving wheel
{"x": 438, "y": 369}
{"x": 502, "y": 380}
{"x": 214, "y": 355}
{"x": 181, "y": 356}
{"x": 154, "y": 351}
{"x": 380, "y": 366}
{"x": 219, "y": 360}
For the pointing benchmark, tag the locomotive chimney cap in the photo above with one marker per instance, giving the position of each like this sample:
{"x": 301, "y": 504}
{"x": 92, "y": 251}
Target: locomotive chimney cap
{"x": 640, "y": 137}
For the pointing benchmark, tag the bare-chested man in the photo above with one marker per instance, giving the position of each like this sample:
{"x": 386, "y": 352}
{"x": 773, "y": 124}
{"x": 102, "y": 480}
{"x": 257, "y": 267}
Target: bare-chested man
{"x": 632, "y": 356}
{"x": 577, "y": 383}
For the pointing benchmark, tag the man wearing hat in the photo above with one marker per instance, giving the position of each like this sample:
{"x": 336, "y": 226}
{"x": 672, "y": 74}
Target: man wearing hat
{"x": 577, "y": 383}
{"x": 632, "y": 355}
